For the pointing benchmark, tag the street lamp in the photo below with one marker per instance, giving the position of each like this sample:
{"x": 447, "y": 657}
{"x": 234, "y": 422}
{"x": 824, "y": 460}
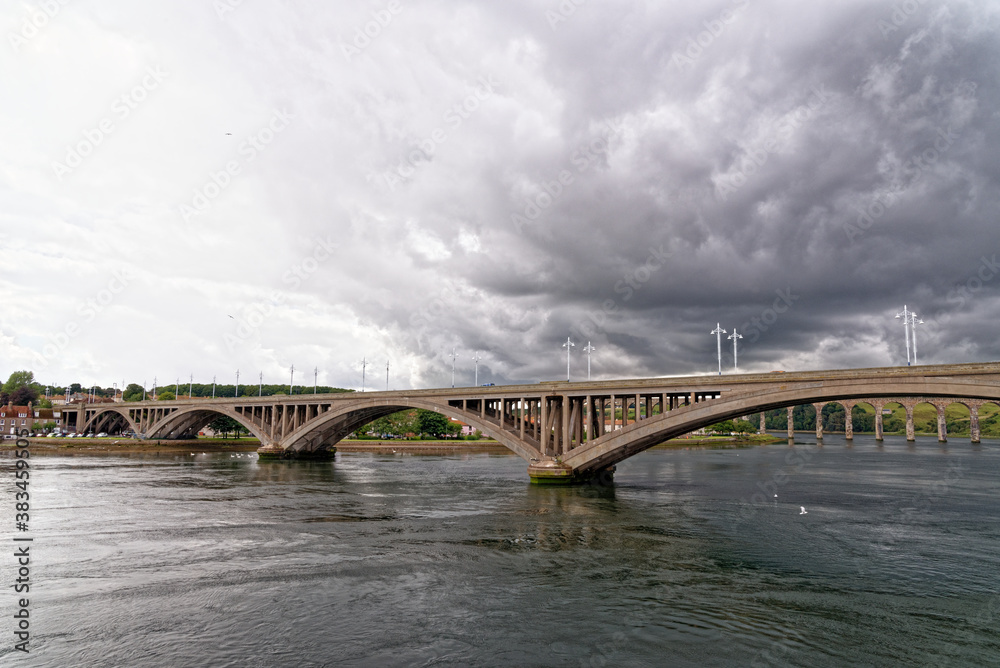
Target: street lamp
{"x": 154, "y": 388}
{"x": 913, "y": 334}
{"x": 569, "y": 344}
{"x": 143, "y": 390}
{"x": 734, "y": 336}
{"x": 905, "y": 315}
{"x": 454, "y": 355}
{"x": 316, "y": 380}
{"x": 589, "y": 349}
{"x": 364, "y": 365}
{"x": 237, "y": 393}
{"x": 291, "y": 381}
{"x": 260, "y": 390}
{"x": 476, "y": 360}
{"x": 718, "y": 331}
{"x": 387, "y": 375}
{"x": 213, "y": 387}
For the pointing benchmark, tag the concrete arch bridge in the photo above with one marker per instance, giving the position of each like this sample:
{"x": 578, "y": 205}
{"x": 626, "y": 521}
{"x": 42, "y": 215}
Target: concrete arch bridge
{"x": 566, "y": 432}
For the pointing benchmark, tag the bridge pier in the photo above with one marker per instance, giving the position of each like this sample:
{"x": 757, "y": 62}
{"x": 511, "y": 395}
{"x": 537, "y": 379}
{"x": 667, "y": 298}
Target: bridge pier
{"x": 278, "y": 452}
{"x": 791, "y": 423}
{"x": 552, "y": 472}
{"x": 974, "y": 422}
{"x": 819, "y": 421}
{"x": 910, "y": 433}
{"x": 941, "y": 425}
{"x": 848, "y": 421}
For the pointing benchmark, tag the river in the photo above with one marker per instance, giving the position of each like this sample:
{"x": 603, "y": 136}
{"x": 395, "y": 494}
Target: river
{"x": 688, "y": 559}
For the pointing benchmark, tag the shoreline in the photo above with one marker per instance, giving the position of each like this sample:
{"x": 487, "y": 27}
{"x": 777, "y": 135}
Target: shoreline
{"x": 109, "y": 446}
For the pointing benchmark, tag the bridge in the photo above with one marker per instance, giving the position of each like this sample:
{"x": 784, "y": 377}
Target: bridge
{"x": 567, "y": 432}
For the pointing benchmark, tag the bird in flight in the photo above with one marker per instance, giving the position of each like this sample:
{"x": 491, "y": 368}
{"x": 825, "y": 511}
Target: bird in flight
{"x": 802, "y": 510}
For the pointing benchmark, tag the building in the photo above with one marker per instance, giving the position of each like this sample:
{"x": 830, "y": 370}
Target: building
{"x": 13, "y": 418}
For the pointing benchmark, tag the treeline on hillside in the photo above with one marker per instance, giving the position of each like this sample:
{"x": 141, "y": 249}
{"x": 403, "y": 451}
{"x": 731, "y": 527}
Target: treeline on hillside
{"x": 201, "y": 390}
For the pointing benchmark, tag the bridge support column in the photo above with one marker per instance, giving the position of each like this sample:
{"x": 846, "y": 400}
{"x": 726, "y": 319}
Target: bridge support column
{"x": 551, "y": 472}
{"x": 878, "y": 424}
{"x": 791, "y": 423}
{"x": 910, "y": 434}
{"x": 942, "y": 425}
{"x": 974, "y": 422}
{"x": 848, "y": 421}
{"x": 277, "y": 452}
{"x": 819, "y": 421}
{"x": 763, "y": 425}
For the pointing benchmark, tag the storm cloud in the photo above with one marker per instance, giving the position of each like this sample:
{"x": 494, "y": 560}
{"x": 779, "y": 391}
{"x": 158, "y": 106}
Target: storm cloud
{"x": 232, "y": 185}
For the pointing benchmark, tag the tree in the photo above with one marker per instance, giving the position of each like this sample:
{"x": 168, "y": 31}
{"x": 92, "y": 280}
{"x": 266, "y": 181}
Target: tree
{"x": 43, "y": 403}
{"x": 224, "y": 424}
{"x": 23, "y": 395}
{"x": 166, "y": 395}
{"x": 133, "y": 392}
{"x": 17, "y": 380}
{"x": 431, "y": 423}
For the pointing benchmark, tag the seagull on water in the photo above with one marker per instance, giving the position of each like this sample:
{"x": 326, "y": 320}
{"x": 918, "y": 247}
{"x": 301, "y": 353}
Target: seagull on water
{"x": 802, "y": 510}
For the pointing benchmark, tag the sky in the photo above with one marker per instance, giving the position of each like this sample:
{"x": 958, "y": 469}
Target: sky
{"x": 196, "y": 188}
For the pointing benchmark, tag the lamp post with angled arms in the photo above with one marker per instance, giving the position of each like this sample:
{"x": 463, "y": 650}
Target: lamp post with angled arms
{"x": 718, "y": 331}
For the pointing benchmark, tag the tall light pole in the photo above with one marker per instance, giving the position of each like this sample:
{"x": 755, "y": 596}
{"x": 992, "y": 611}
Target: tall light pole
{"x": 905, "y": 315}
{"x": 589, "y": 349}
{"x": 364, "y": 364}
{"x": 718, "y": 331}
{"x": 213, "y": 386}
{"x": 143, "y": 390}
{"x": 316, "y": 380}
{"x": 291, "y": 381}
{"x": 734, "y": 336}
{"x": 260, "y": 390}
{"x": 569, "y": 344}
{"x": 177, "y": 387}
{"x": 914, "y": 321}
{"x": 387, "y": 375}
{"x": 454, "y": 355}
{"x": 476, "y": 360}
{"x": 154, "y": 387}
{"x": 237, "y": 393}
{"x": 190, "y": 384}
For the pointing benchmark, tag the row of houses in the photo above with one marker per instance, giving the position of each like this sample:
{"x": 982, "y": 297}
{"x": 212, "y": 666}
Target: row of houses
{"x": 14, "y": 419}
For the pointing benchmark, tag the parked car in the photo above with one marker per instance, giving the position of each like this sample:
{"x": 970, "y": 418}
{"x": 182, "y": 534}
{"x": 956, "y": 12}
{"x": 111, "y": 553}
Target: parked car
{"x": 103, "y": 434}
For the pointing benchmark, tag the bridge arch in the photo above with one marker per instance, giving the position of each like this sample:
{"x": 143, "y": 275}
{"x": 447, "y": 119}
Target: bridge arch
{"x": 326, "y": 430}
{"x": 187, "y": 420}
{"x": 615, "y": 447}
{"x": 99, "y": 416}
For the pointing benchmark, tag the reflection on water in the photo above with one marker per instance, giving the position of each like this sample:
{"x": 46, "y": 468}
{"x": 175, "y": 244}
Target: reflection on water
{"x": 692, "y": 558}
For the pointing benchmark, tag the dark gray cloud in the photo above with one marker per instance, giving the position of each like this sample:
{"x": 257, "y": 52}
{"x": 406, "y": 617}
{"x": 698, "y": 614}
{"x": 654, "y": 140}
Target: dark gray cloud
{"x": 497, "y": 177}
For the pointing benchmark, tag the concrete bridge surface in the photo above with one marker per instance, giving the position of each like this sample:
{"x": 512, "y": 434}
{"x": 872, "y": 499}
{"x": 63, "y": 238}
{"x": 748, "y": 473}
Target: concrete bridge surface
{"x": 567, "y": 432}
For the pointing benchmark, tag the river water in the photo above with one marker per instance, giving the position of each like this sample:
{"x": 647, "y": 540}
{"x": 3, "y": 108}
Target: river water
{"x": 688, "y": 559}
